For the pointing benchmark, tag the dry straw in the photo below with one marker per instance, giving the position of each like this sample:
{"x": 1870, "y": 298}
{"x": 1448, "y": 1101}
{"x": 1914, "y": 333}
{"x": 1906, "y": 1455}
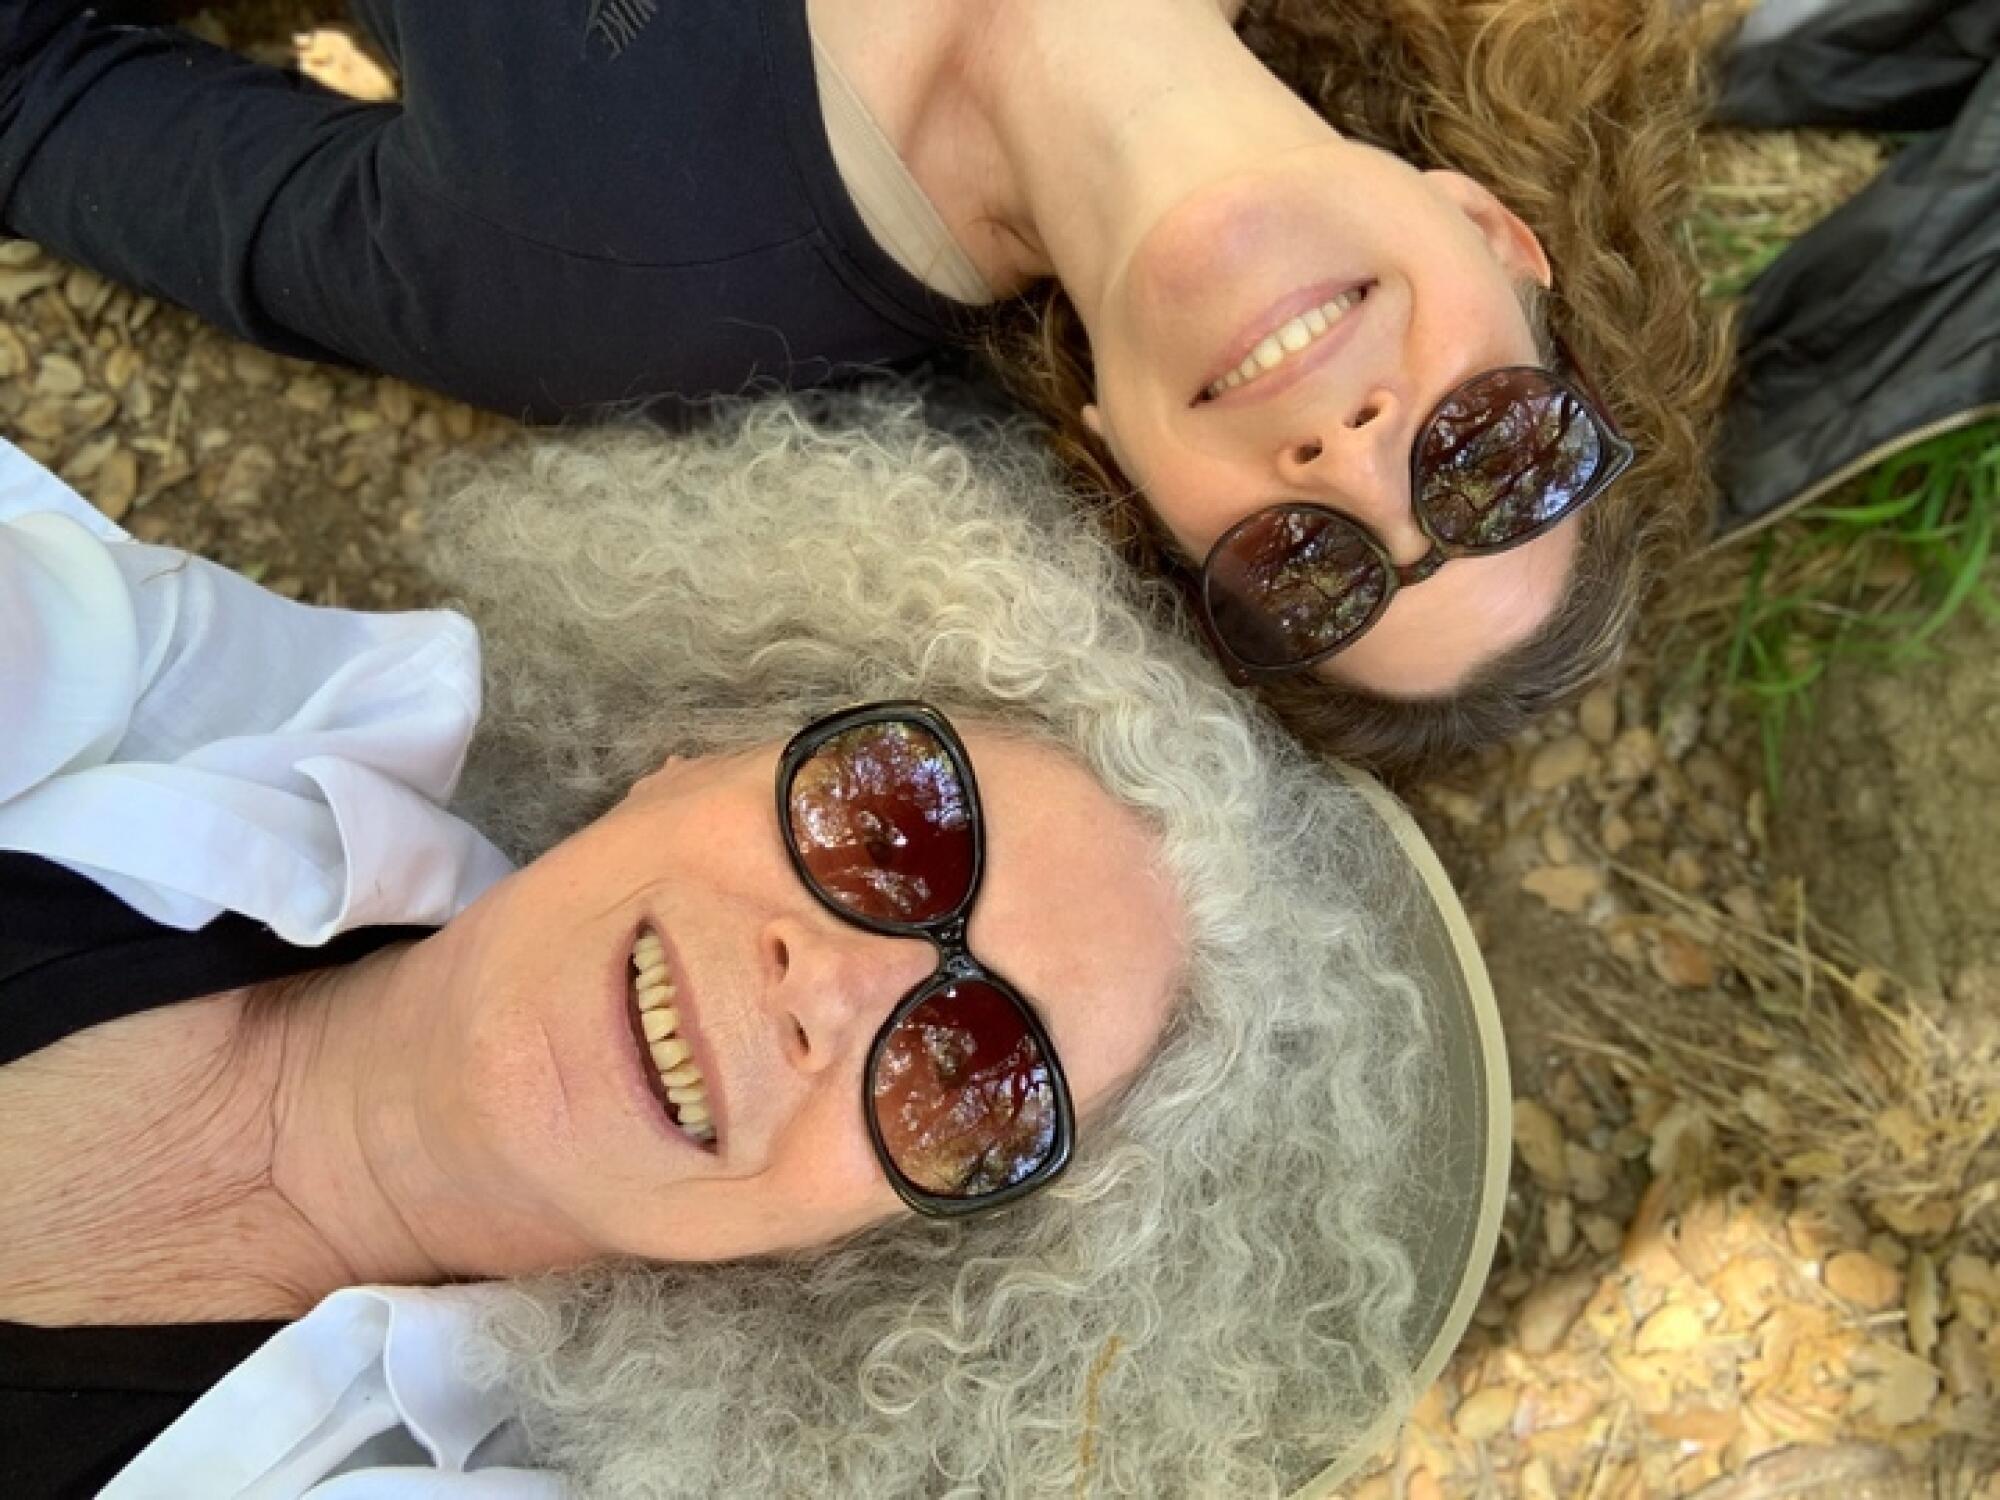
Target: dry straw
{"x": 1812, "y": 1067}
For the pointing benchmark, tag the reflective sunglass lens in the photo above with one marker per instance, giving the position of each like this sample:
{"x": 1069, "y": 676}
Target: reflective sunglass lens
{"x": 880, "y": 820}
{"x": 1506, "y": 453}
{"x": 963, "y": 1097}
{"x": 1290, "y": 583}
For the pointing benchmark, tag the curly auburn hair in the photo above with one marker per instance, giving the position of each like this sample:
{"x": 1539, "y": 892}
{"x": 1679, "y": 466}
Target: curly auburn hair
{"x": 1580, "y": 115}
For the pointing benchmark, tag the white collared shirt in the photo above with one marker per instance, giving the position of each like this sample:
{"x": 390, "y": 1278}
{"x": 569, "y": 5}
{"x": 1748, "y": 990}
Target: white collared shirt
{"x": 358, "y": 1400}
{"x": 196, "y": 745}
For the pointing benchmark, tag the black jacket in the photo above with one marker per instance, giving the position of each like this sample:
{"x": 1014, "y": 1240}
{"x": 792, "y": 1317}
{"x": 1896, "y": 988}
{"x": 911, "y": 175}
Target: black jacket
{"x": 1881, "y": 326}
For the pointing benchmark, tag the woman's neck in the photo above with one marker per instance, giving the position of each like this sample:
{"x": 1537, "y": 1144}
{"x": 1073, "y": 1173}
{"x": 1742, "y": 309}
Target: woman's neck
{"x": 374, "y": 1142}
{"x": 1116, "y": 111}
{"x": 134, "y": 1176}
{"x": 1064, "y": 130}
{"x": 244, "y": 1155}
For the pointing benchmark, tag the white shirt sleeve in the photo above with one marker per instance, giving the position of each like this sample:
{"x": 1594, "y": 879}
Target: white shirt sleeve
{"x": 359, "y": 1400}
{"x": 196, "y": 744}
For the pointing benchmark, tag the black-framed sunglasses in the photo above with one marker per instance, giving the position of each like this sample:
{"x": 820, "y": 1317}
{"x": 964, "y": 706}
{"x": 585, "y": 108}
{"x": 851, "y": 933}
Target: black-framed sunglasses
{"x": 964, "y": 1096}
{"x": 1502, "y": 459}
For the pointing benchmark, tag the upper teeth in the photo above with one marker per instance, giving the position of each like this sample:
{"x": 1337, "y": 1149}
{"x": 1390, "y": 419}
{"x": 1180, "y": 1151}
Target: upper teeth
{"x": 1281, "y": 343}
{"x": 653, "y": 993}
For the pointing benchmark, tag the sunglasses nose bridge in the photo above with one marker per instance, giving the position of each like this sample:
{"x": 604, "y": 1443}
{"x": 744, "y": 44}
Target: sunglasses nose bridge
{"x": 1422, "y": 568}
{"x": 947, "y": 936}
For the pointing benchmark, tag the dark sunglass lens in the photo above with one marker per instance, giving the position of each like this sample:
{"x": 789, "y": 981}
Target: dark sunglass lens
{"x": 1290, "y": 583}
{"x": 1506, "y": 453}
{"x": 963, "y": 1096}
{"x": 880, "y": 819}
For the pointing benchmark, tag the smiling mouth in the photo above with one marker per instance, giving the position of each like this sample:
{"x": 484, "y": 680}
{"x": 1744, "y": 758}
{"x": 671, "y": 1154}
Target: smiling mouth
{"x": 1287, "y": 342}
{"x": 675, "y": 1077}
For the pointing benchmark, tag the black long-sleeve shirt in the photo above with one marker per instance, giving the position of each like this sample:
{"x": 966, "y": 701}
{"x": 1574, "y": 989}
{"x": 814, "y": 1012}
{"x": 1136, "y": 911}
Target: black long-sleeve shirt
{"x": 576, "y": 202}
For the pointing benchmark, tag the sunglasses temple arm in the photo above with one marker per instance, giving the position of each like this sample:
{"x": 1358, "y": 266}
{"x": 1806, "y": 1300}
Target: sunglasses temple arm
{"x": 1576, "y": 372}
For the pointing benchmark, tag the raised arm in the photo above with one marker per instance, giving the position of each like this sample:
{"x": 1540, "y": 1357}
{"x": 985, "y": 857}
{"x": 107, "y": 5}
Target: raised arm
{"x": 240, "y": 191}
{"x": 303, "y": 221}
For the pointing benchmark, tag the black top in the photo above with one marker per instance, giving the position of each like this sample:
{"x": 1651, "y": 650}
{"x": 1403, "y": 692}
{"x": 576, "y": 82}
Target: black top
{"x": 78, "y": 1404}
{"x": 576, "y": 202}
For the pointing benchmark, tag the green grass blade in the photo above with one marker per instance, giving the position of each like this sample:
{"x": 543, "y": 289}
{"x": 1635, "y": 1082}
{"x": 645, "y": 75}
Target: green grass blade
{"x": 1969, "y": 568}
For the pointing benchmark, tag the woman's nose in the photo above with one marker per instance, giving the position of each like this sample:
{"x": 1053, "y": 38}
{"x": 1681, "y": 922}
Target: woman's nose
{"x": 1356, "y": 460}
{"x": 831, "y": 988}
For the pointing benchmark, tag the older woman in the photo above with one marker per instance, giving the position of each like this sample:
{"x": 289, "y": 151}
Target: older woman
{"x": 1050, "y": 1085}
{"x": 1277, "y": 305}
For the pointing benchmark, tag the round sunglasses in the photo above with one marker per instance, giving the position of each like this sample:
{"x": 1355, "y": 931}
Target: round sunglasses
{"x": 965, "y": 1099}
{"x": 1504, "y": 457}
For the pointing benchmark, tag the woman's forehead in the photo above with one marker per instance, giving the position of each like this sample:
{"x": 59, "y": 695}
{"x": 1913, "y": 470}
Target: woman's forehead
{"x": 1076, "y": 907}
{"x": 1040, "y": 798}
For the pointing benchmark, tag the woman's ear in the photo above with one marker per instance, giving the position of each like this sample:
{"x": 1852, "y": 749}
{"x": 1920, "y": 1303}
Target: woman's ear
{"x": 1510, "y": 240}
{"x": 1094, "y": 420}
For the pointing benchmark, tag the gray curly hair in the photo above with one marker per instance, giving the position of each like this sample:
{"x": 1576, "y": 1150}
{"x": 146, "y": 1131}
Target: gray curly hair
{"x": 1209, "y": 1301}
